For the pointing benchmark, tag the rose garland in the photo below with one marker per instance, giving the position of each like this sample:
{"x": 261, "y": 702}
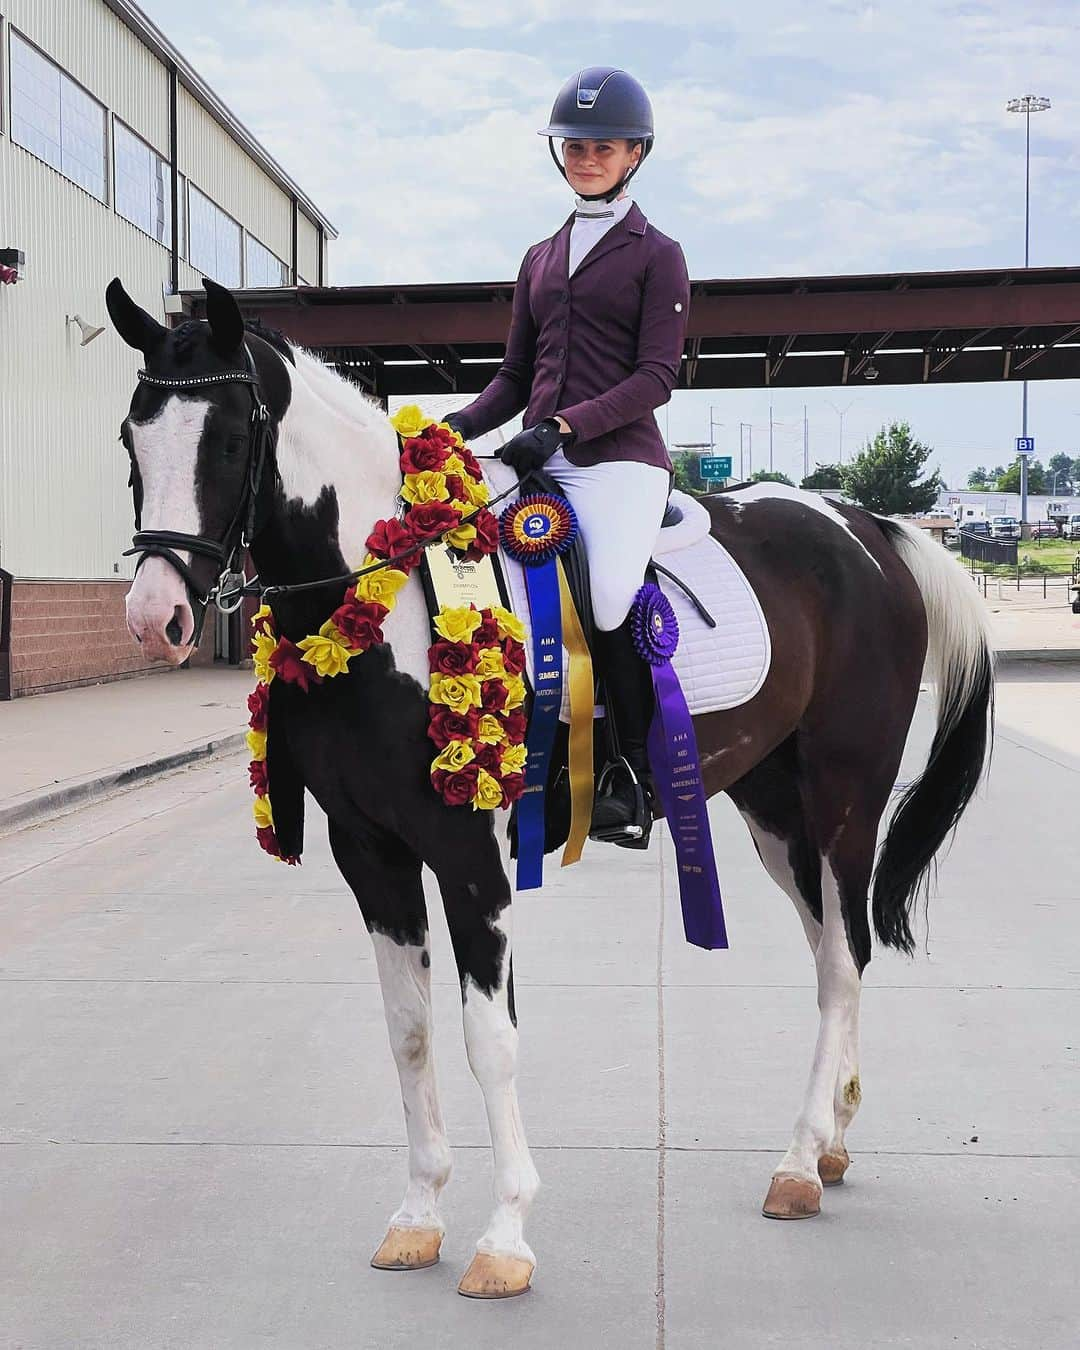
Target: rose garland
{"x": 476, "y": 686}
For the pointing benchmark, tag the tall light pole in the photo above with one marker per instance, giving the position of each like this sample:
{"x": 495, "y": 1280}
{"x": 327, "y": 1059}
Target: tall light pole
{"x": 1027, "y": 105}
{"x": 840, "y": 413}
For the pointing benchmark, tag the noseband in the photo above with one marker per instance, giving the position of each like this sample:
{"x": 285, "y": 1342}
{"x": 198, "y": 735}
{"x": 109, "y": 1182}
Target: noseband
{"x": 164, "y": 543}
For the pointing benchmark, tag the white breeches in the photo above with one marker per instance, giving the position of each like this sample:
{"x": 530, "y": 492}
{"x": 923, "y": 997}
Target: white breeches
{"x": 619, "y": 506}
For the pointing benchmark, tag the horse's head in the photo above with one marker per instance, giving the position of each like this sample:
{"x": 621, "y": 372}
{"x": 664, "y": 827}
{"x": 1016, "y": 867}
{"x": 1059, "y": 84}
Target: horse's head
{"x": 194, "y": 438}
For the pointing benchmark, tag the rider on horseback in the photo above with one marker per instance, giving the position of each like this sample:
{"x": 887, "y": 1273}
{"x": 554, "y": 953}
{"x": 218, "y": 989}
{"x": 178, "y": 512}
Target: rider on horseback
{"x": 595, "y": 344}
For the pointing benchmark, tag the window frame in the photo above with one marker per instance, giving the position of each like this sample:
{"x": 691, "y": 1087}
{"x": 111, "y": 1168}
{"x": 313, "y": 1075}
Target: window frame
{"x": 164, "y": 159}
{"x": 254, "y": 238}
{"x": 193, "y": 187}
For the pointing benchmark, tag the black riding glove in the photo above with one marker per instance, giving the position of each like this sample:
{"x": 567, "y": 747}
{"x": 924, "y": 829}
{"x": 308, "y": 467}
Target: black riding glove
{"x": 532, "y": 448}
{"x": 457, "y": 422}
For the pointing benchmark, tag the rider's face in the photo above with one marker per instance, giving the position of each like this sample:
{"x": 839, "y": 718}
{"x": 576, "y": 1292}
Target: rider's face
{"x": 594, "y": 167}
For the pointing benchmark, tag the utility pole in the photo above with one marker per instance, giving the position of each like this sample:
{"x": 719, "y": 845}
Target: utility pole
{"x": 805, "y": 444}
{"x": 770, "y": 437}
{"x": 841, "y": 413}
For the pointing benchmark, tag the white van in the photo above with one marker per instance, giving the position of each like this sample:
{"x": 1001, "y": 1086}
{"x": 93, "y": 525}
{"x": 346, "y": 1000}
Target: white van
{"x": 1071, "y": 528}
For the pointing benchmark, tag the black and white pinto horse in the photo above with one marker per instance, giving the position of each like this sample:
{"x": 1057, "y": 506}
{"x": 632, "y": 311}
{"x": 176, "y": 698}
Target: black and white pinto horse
{"x": 854, "y": 604}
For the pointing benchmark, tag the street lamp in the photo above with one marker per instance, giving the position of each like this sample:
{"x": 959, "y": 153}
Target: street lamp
{"x": 840, "y": 414}
{"x": 1027, "y": 105}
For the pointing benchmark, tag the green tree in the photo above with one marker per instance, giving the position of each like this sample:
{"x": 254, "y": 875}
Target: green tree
{"x": 687, "y": 466}
{"x": 767, "y": 476}
{"x": 824, "y": 476}
{"x": 978, "y": 480}
{"x": 1062, "y": 466}
{"x": 885, "y": 476}
{"x": 1010, "y": 479}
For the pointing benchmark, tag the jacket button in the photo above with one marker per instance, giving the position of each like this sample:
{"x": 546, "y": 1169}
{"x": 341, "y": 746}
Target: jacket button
{"x": 562, "y": 323}
{"x": 562, "y": 353}
{"x": 564, "y": 296}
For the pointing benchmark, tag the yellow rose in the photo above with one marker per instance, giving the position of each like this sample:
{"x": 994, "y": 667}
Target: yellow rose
{"x": 477, "y": 492}
{"x": 488, "y": 793}
{"x": 459, "y": 692}
{"x": 260, "y": 809}
{"x": 490, "y": 666}
{"x": 490, "y": 731}
{"x": 262, "y": 648}
{"x": 458, "y": 439}
{"x": 513, "y": 759}
{"x": 509, "y": 624}
{"x": 462, "y": 537}
{"x": 381, "y": 586}
{"x": 409, "y": 421}
{"x": 256, "y": 741}
{"x": 429, "y": 486}
{"x": 515, "y": 692}
{"x": 457, "y": 625}
{"x": 456, "y": 755}
{"x": 328, "y": 652}
{"x": 263, "y": 613}
{"x": 454, "y": 464}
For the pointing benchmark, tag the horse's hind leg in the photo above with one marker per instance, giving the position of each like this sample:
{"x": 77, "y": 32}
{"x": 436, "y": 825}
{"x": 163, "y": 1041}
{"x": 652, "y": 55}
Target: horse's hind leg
{"x": 477, "y": 899}
{"x": 385, "y": 878}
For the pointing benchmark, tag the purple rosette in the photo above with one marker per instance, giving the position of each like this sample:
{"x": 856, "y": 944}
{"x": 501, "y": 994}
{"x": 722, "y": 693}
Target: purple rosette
{"x": 653, "y": 625}
{"x": 673, "y": 756}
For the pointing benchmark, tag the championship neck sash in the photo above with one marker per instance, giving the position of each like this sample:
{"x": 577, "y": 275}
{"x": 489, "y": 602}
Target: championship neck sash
{"x": 673, "y": 755}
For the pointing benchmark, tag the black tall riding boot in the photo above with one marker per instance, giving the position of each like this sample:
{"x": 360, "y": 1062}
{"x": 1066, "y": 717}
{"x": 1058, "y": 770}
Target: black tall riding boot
{"x": 622, "y": 811}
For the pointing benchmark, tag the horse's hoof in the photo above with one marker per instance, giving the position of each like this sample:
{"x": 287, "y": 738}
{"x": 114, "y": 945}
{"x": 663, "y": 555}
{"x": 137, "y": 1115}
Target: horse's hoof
{"x": 495, "y": 1276}
{"x": 832, "y": 1166}
{"x": 792, "y": 1198}
{"x": 408, "y": 1249}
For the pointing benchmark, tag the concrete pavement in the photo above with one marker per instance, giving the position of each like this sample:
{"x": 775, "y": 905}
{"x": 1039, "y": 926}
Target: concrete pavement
{"x": 201, "y": 1136}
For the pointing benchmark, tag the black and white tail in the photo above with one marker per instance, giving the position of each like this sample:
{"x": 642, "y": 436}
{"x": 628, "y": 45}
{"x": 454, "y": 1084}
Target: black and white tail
{"x": 960, "y": 662}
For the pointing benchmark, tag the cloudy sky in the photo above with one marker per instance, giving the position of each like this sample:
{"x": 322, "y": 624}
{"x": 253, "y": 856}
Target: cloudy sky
{"x": 798, "y": 137}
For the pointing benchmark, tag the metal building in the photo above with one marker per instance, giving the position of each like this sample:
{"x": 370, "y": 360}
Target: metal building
{"x": 116, "y": 159}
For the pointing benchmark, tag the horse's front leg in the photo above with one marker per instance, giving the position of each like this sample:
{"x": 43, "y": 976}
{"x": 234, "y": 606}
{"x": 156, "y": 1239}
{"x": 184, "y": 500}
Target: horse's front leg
{"x": 477, "y": 898}
{"x": 385, "y": 878}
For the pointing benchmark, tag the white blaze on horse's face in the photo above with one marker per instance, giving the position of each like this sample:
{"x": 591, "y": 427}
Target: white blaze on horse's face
{"x": 166, "y": 448}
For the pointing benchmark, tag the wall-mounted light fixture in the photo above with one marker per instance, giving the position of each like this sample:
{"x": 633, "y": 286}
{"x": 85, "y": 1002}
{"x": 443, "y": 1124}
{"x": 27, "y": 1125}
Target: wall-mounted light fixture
{"x": 88, "y": 330}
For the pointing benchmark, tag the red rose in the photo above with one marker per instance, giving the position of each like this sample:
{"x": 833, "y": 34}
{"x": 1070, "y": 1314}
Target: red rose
{"x": 259, "y": 777}
{"x": 421, "y": 454}
{"x": 487, "y": 635}
{"x": 268, "y": 840}
{"x": 516, "y": 725}
{"x": 259, "y": 707}
{"x": 487, "y": 536}
{"x": 472, "y": 464}
{"x": 487, "y": 757}
{"x": 359, "y": 622}
{"x": 453, "y": 658}
{"x": 492, "y": 695}
{"x": 288, "y": 660}
{"x": 446, "y": 726}
{"x": 455, "y": 487}
{"x": 438, "y": 435}
{"x": 431, "y": 519}
{"x": 513, "y": 655}
{"x": 389, "y": 538}
{"x": 513, "y": 785}
{"x": 457, "y": 788}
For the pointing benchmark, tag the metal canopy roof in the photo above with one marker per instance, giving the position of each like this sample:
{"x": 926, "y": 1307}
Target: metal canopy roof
{"x": 786, "y": 332}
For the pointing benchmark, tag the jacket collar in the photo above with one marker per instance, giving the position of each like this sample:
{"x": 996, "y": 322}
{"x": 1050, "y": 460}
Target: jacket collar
{"x": 632, "y": 226}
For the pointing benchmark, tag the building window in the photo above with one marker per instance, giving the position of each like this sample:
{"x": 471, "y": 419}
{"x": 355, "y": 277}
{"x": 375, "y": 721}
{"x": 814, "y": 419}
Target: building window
{"x": 261, "y": 267}
{"x": 56, "y": 120}
{"x": 213, "y": 240}
{"x": 143, "y": 191}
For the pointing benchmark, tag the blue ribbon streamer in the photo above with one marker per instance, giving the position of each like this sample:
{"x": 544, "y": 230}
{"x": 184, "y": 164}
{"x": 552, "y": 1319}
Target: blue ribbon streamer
{"x": 542, "y": 586}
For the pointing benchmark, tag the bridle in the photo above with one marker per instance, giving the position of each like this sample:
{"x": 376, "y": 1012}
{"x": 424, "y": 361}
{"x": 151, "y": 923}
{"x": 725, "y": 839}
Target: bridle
{"x": 226, "y": 552}
{"x": 164, "y": 543}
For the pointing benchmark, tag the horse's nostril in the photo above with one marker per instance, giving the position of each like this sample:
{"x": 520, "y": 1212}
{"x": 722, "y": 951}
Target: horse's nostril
{"x": 174, "y": 628}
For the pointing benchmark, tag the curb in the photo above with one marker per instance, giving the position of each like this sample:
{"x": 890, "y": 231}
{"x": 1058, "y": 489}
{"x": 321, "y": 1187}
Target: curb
{"x": 1056, "y": 654}
{"x": 33, "y": 807}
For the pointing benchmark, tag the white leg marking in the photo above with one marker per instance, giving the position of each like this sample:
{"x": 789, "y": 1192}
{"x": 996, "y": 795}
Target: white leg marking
{"x": 406, "y": 988}
{"x": 838, "y": 994}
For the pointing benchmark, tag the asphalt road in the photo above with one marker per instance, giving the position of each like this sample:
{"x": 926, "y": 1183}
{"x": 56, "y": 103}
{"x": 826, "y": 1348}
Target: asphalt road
{"x": 201, "y": 1134}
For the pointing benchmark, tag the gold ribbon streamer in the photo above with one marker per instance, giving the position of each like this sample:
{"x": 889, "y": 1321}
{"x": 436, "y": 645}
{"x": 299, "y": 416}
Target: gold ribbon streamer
{"x": 581, "y": 724}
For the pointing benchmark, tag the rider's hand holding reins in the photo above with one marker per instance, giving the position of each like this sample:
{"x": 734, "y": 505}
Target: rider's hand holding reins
{"x": 532, "y": 448}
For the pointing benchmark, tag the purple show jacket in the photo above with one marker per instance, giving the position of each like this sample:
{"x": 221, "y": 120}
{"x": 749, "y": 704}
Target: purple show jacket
{"x": 601, "y": 349}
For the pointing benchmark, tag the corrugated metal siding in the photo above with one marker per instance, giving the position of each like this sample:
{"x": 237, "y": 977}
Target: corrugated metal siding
{"x": 98, "y": 51}
{"x": 210, "y": 159}
{"x": 307, "y": 249}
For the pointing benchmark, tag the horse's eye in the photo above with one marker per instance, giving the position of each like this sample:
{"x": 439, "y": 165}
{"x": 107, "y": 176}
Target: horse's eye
{"x": 236, "y": 445}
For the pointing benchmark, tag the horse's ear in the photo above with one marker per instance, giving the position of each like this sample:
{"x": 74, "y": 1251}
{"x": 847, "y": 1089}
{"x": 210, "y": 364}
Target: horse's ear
{"x": 138, "y": 329}
{"x": 224, "y": 317}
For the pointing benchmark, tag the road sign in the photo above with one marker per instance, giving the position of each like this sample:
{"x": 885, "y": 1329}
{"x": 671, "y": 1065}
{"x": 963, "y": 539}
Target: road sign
{"x": 1025, "y": 445}
{"x": 715, "y": 466}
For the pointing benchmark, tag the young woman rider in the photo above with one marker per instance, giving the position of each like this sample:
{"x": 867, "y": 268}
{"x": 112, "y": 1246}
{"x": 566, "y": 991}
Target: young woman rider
{"x": 595, "y": 343}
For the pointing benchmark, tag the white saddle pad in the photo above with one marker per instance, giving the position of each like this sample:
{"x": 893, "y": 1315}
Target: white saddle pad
{"x": 719, "y": 667}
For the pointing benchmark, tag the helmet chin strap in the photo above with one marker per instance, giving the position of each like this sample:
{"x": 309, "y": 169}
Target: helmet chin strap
{"x": 608, "y": 196}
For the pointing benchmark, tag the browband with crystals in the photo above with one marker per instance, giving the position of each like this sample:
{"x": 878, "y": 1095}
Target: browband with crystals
{"x": 197, "y": 379}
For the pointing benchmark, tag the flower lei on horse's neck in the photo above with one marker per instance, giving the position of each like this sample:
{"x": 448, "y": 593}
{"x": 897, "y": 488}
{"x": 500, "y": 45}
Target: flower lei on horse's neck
{"x": 476, "y": 692}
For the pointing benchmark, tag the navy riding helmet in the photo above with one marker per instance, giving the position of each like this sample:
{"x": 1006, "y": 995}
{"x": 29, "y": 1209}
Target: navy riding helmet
{"x": 601, "y": 104}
